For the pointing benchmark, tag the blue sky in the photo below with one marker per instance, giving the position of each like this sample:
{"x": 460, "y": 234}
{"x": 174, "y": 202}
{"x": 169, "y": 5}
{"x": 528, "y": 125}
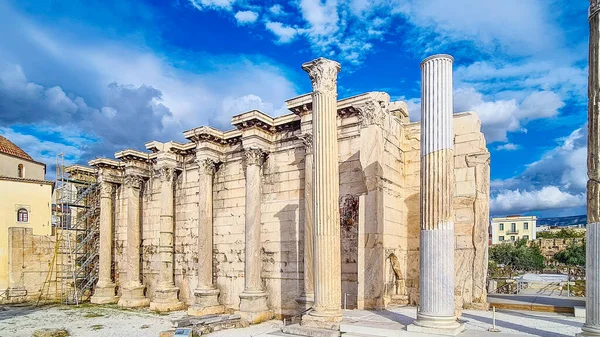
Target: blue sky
{"x": 92, "y": 77}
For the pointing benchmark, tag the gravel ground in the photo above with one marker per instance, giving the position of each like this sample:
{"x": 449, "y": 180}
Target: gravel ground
{"x": 105, "y": 321}
{"x": 94, "y": 321}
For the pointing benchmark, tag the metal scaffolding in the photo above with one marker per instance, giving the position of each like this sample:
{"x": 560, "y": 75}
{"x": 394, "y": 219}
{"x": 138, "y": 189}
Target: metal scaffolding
{"x": 73, "y": 270}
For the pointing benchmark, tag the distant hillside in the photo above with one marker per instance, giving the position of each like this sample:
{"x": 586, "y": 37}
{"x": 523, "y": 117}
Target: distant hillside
{"x": 563, "y": 221}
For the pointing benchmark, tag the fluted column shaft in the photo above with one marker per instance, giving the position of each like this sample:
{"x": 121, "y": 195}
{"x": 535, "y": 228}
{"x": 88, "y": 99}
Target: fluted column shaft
{"x": 436, "y": 280}
{"x": 309, "y": 287}
{"x": 207, "y": 295}
{"x": 166, "y": 227}
{"x": 592, "y": 270}
{"x": 132, "y": 193}
{"x": 133, "y": 289}
{"x": 205, "y": 224}
{"x": 253, "y": 265}
{"x": 105, "y": 258}
{"x": 326, "y": 190}
{"x": 105, "y": 288}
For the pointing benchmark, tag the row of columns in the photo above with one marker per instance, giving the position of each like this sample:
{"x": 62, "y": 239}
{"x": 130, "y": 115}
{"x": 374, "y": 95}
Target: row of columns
{"x": 322, "y": 221}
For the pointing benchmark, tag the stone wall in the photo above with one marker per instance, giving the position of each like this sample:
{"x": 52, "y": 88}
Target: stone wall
{"x": 29, "y": 258}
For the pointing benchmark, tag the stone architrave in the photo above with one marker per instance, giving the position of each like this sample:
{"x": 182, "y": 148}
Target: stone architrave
{"x": 165, "y": 295}
{"x": 326, "y": 311}
{"x": 592, "y": 270}
{"x": 436, "y": 313}
{"x": 104, "y": 293}
{"x": 306, "y": 300}
{"x": 132, "y": 294}
{"x": 253, "y": 300}
{"x": 206, "y": 294}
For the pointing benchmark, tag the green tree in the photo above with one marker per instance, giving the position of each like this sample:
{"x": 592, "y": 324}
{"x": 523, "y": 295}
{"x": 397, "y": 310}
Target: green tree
{"x": 572, "y": 256}
{"x": 565, "y": 233}
{"x": 518, "y": 256}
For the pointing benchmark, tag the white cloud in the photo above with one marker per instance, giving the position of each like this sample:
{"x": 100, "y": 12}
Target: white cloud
{"x": 276, "y": 10}
{"x": 285, "y": 33}
{"x": 222, "y": 4}
{"x": 508, "y": 147}
{"x": 548, "y": 197}
{"x": 246, "y": 17}
{"x": 557, "y": 180}
{"x": 498, "y": 117}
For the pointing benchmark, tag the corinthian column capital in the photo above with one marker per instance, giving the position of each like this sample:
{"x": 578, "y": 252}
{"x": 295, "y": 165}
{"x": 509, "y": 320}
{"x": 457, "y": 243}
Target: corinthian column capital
{"x": 323, "y": 74}
{"x": 206, "y": 166}
{"x": 254, "y": 156}
{"x": 165, "y": 173}
{"x": 307, "y": 139}
{"x": 133, "y": 180}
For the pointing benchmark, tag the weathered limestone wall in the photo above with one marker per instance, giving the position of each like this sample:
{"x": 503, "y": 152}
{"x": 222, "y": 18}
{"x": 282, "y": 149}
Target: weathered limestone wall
{"x": 471, "y": 203}
{"x": 29, "y": 257}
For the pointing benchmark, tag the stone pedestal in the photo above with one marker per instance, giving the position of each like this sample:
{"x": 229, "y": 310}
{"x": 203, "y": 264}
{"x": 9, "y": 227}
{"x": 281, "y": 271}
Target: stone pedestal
{"x": 436, "y": 313}
{"x": 104, "y": 292}
{"x": 165, "y": 295}
{"x": 132, "y": 293}
{"x": 592, "y": 294}
{"x": 206, "y": 294}
{"x": 253, "y": 301}
{"x": 327, "y": 312}
{"x": 307, "y": 299}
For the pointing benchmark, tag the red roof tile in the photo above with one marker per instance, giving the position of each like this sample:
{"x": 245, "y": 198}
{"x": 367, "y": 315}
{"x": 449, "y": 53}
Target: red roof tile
{"x": 8, "y": 147}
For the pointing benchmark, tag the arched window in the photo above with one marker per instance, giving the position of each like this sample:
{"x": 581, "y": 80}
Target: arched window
{"x": 22, "y": 215}
{"x": 21, "y": 171}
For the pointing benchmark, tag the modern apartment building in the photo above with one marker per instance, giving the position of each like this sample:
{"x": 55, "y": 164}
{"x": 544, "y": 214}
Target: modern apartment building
{"x": 512, "y": 228}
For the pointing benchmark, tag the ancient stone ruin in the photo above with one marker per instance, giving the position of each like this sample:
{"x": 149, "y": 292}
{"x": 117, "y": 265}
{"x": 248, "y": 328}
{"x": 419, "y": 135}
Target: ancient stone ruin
{"x": 284, "y": 213}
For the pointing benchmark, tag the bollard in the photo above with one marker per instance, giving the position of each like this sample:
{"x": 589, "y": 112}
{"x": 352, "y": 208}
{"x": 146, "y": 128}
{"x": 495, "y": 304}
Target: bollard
{"x": 493, "y": 328}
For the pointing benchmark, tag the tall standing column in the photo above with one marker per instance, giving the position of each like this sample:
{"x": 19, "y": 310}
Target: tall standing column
{"x": 104, "y": 292}
{"x": 436, "y": 279}
{"x": 207, "y": 295}
{"x": 165, "y": 296}
{"x": 592, "y": 293}
{"x": 253, "y": 301}
{"x": 308, "y": 295}
{"x": 326, "y": 311}
{"x": 132, "y": 294}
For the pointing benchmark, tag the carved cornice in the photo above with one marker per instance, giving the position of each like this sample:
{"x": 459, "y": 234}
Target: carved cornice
{"x": 323, "y": 75}
{"x": 307, "y": 139}
{"x": 133, "y": 180}
{"x": 254, "y": 156}
{"x": 206, "y": 166}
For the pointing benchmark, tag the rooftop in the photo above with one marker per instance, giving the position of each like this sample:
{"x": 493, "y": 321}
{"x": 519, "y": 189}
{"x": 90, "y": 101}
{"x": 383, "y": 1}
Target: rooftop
{"x": 9, "y": 148}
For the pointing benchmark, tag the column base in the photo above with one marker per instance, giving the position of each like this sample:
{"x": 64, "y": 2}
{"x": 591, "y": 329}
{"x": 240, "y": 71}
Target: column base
{"x": 436, "y": 325}
{"x": 165, "y": 299}
{"x": 306, "y": 301}
{"x": 133, "y": 297}
{"x": 323, "y": 320}
{"x": 589, "y": 331}
{"x": 253, "y": 307}
{"x": 104, "y": 294}
{"x": 206, "y": 303}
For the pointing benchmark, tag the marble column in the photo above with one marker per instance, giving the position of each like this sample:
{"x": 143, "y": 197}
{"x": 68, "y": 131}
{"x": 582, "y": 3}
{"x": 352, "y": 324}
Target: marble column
{"x": 592, "y": 269}
{"x": 306, "y": 300}
{"x": 206, "y": 294}
{"x": 326, "y": 311}
{"x": 165, "y": 295}
{"x": 104, "y": 292}
{"x": 253, "y": 301}
{"x": 132, "y": 293}
{"x": 436, "y": 274}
